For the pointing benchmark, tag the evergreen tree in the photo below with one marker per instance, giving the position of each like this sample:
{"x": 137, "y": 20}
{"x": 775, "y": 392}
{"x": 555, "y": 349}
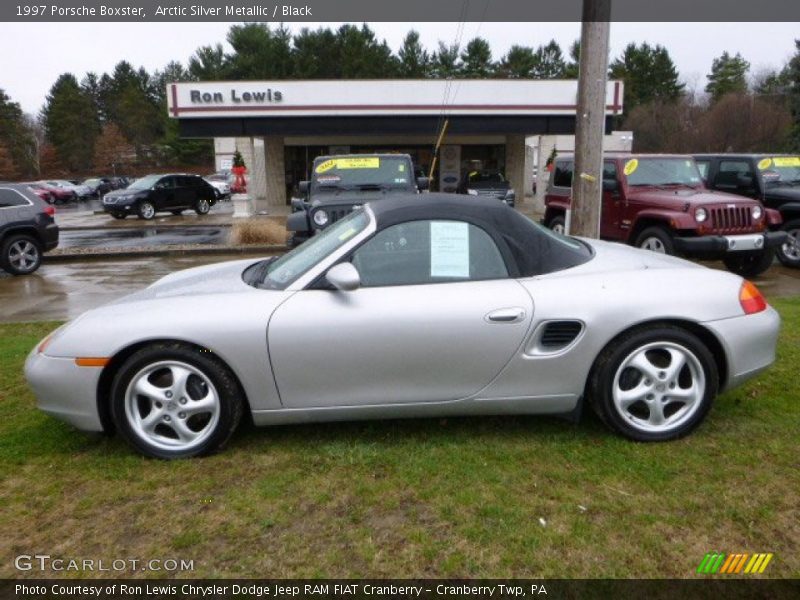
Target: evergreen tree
{"x": 649, "y": 74}
{"x": 793, "y": 77}
{"x": 518, "y": 63}
{"x": 313, "y": 55}
{"x": 259, "y": 52}
{"x": 548, "y": 62}
{"x": 414, "y": 59}
{"x": 572, "y": 68}
{"x": 208, "y": 63}
{"x": 728, "y": 75}
{"x": 17, "y": 137}
{"x": 362, "y": 56}
{"x": 444, "y": 62}
{"x": 70, "y": 122}
{"x": 476, "y": 60}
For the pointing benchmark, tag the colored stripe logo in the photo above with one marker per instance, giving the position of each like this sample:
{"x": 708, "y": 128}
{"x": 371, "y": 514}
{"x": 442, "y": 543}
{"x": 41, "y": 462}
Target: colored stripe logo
{"x": 733, "y": 564}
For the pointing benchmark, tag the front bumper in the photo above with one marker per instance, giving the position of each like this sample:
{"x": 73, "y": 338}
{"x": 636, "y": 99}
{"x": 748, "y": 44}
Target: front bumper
{"x": 749, "y": 343}
{"x": 64, "y": 390}
{"x": 724, "y": 244}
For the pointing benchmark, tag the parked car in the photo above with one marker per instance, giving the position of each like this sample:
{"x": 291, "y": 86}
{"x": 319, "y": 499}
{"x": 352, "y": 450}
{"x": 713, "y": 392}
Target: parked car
{"x": 82, "y": 192}
{"x": 221, "y": 183}
{"x": 27, "y": 229}
{"x": 161, "y": 193}
{"x": 430, "y": 302}
{"x": 773, "y": 179}
{"x": 59, "y": 194}
{"x": 40, "y": 191}
{"x": 339, "y": 184}
{"x": 659, "y": 203}
{"x": 98, "y": 185}
{"x": 490, "y": 183}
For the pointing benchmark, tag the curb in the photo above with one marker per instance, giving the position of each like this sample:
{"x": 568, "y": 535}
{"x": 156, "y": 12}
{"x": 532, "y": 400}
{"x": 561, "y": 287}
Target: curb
{"x": 116, "y": 227}
{"x": 168, "y": 252}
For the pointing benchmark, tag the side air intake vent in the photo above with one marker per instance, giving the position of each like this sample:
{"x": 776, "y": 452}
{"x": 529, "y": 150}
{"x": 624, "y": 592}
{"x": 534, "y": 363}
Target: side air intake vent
{"x": 559, "y": 334}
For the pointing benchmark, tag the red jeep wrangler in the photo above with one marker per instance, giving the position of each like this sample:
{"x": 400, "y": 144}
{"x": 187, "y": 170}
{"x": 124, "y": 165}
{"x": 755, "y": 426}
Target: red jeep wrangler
{"x": 659, "y": 203}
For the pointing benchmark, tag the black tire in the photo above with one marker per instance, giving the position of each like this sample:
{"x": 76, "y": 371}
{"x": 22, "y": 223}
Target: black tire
{"x": 657, "y": 236}
{"x": 177, "y": 213}
{"x": 604, "y": 371}
{"x": 231, "y": 404}
{"x": 789, "y": 253}
{"x": 557, "y": 224}
{"x": 749, "y": 264}
{"x": 146, "y": 210}
{"x": 20, "y": 254}
{"x": 296, "y": 238}
{"x": 202, "y": 206}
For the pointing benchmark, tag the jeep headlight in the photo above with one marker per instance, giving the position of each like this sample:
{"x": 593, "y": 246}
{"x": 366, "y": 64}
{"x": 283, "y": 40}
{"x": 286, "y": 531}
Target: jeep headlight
{"x": 321, "y": 218}
{"x": 757, "y": 212}
{"x": 701, "y": 214}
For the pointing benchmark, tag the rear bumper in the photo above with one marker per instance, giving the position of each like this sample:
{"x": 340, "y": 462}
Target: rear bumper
{"x": 749, "y": 343}
{"x": 724, "y": 244}
{"x": 50, "y": 236}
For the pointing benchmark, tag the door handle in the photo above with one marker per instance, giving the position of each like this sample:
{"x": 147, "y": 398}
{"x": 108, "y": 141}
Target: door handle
{"x": 506, "y": 315}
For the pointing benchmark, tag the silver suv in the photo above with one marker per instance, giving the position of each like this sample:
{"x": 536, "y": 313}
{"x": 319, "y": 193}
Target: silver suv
{"x": 27, "y": 229}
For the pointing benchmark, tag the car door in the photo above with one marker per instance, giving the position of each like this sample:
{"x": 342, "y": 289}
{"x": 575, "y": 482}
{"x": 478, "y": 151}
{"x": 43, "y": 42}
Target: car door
{"x": 436, "y": 318}
{"x": 163, "y": 196}
{"x": 611, "y": 217}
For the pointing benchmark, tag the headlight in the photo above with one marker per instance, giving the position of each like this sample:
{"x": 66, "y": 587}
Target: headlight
{"x": 321, "y": 218}
{"x": 472, "y": 192}
{"x": 757, "y": 212}
{"x": 700, "y": 214}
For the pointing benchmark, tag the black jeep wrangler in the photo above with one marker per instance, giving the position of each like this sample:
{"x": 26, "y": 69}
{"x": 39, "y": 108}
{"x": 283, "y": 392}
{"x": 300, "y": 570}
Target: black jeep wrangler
{"x": 773, "y": 179}
{"x": 340, "y": 184}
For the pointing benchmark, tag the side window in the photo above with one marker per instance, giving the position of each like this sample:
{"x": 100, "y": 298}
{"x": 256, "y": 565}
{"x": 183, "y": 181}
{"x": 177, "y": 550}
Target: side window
{"x": 420, "y": 252}
{"x": 562, "y": 177}
{"x": 186, "y": 182}
{"x": 731, "y": 174}
{"x": 165, "y": 183}
{"x": 703, "y": 166}
{"x": 10, "y": 198}
{"x": 609, "y": 171}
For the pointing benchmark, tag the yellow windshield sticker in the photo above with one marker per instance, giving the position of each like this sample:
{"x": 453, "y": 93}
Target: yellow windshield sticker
{"x": 347, "y": 234}
{"x": 325, "y": 166}
{"x": 786, "y": 161}
{"x": 764, "y": 164}
{"x": 631, "y": 166}
{"x": 401, "y": 167}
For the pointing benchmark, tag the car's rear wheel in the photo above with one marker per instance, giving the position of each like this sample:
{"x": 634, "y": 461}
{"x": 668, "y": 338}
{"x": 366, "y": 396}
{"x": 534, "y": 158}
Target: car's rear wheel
{"x": 789, "y": 252}
{"x": 654, "y": 384}
{"x": 749, "y": 264}
{"x": 20, "y": 254}
{"x": 557, "y": 225}
{"x": 169, "y": 400}
{"x": 202, "y": 207}
{"x": 656, "y": 239}
{"x": 146, "y": 210}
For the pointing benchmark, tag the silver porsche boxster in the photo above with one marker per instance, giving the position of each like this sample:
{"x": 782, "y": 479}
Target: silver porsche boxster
{"x": 413, "y": 306}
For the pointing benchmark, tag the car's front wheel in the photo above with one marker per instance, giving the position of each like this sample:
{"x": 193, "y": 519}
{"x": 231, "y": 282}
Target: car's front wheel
{"x": 557, "y": 225}
{"x": 654, "y": 384}
{"x": 202, "y": 207}
{"x": 789, "y": 252}
{"x": 749, "y": 264}
{"x": 169, "y": 400}
{"x": 20, "y": 254}
{"x": 656, "y": 239}
{"x": 146, "y": 210}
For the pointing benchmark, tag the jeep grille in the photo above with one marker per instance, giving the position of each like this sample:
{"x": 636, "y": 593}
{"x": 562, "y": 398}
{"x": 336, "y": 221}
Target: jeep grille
{"x": 737, "y": 218}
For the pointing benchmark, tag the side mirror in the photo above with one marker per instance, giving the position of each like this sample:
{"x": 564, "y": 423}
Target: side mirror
{"x": 610, "y": 185}
{"x": 423, "y": 183}
{"x": 302, "y": 187}
{"x": 298, "y": 205}
{"x": 344, "y": 277}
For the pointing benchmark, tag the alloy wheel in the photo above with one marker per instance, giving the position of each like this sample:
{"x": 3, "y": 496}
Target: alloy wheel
{"x": 659, "y": 386}
{"x": 23, "y": 255}
{"x": 172, "y": 405}
{"x": 791, "y": 248}
{"x": 203, "y": 206}
{"x": 653, "y": 244}
{"x": 147, "y": 210}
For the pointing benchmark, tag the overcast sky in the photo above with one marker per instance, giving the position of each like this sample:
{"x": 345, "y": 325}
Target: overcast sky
{"x": 34, "y": 54}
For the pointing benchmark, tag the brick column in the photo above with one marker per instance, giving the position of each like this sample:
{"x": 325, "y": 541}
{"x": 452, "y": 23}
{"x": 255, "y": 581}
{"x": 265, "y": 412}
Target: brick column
{"x": 275, "y": 171}
{"x": 515, "y": 164}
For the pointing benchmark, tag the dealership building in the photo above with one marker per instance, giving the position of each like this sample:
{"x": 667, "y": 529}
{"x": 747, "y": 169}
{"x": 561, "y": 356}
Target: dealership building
{"x": 281, "y": 126}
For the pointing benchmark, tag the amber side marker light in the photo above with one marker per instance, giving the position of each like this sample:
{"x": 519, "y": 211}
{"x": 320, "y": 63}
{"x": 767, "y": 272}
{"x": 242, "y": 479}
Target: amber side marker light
{"x": 751, "y": 299}
{"x": 91, "y": 362}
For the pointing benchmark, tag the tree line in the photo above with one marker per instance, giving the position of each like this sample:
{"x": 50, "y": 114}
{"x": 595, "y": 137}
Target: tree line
{"x": 118, "y": 121}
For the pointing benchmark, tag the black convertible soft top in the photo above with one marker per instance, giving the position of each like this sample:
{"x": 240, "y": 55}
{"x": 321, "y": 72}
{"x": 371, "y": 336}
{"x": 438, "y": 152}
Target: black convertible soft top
{"x": 528, "y": 249}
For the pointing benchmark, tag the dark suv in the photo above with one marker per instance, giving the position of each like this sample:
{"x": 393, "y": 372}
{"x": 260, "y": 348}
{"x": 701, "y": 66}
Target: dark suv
{"x": 161, "y": 193}
{"x": 27, "y": 229}
{"x": 340, "y": 184}
{"x": 771, "y": 178}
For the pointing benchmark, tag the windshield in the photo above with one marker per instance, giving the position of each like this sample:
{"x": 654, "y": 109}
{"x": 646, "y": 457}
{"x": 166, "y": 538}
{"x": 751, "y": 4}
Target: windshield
{"x": 662, "y": 171}
{"x": 486, "y": 177}
{"x": 289, "y": 267}
{"x": 91, "y": 181}
{"x": 356, "y": 172}
{"x": 145, "y": 183}
{"x": 780, "y": 170}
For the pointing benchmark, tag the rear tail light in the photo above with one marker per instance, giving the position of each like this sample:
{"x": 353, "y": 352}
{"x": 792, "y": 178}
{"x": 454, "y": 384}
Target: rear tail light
{"x": 751, "y": 299}
{"x": 50, "y": 210}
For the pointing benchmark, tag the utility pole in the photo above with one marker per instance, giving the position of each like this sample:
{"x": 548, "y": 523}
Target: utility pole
{"x": 590, "y": 119}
